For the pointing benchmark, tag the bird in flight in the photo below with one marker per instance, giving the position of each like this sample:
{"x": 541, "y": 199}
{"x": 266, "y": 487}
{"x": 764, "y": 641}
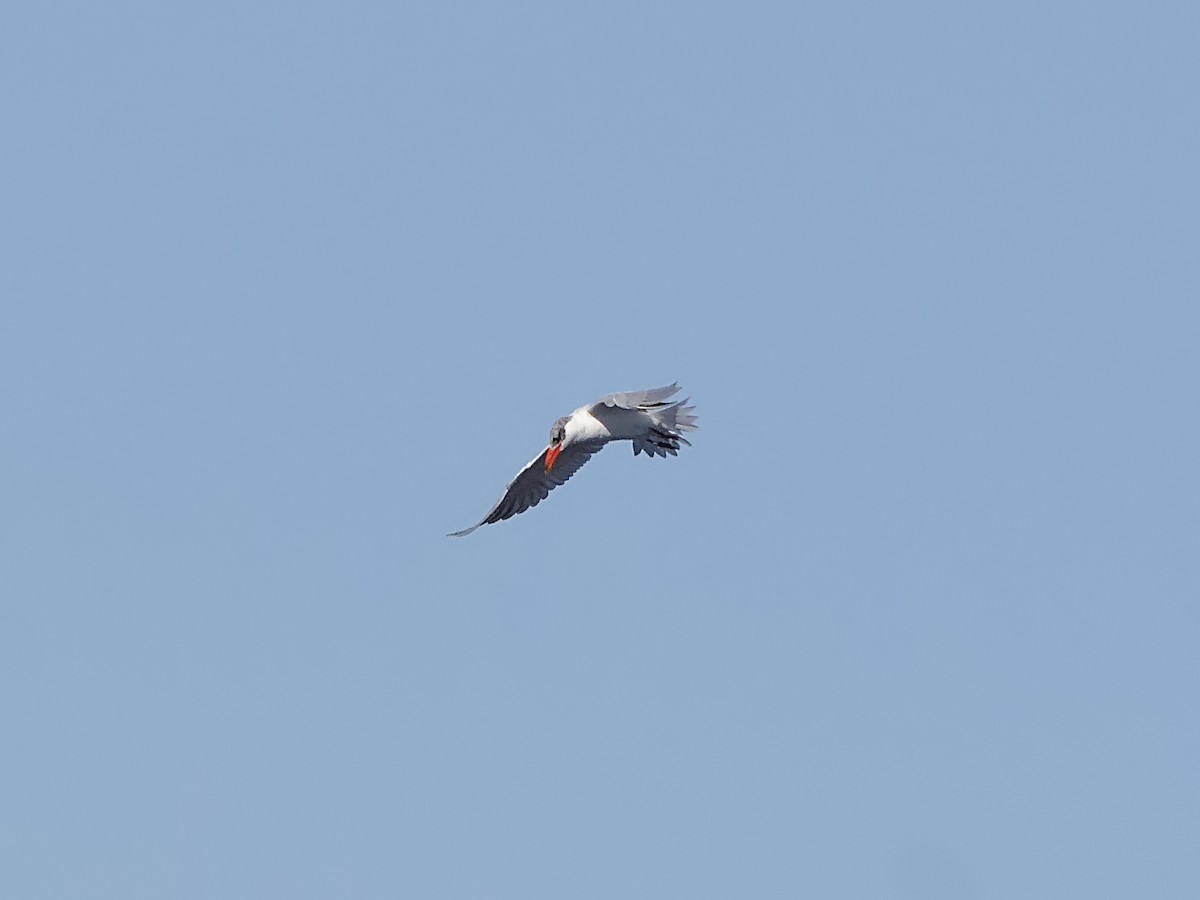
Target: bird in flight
{"x": 649, "y": 419}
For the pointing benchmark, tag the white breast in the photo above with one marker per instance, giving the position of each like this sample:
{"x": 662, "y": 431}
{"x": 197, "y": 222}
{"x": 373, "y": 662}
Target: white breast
{"x": 607, "y": 424}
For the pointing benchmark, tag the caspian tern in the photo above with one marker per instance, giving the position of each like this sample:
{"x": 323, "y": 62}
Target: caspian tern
{"x": 654, "y": 425}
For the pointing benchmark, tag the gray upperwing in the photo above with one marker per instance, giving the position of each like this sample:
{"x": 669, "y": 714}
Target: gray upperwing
{"x": 636, "y": 399}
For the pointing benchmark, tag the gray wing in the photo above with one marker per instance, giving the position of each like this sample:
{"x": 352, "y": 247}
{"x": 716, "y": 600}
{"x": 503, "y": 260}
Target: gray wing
{"x": 532, "y": 485}
{"x": 635, "y": 399}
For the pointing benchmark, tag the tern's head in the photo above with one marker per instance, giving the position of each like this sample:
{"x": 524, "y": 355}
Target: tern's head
{"x": 558, "y": 435}
{"x": 558, "y": 431}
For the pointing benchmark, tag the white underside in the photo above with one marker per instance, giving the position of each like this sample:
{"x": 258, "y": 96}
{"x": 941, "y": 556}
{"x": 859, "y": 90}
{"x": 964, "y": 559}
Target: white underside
{"x": 610, "y": 424}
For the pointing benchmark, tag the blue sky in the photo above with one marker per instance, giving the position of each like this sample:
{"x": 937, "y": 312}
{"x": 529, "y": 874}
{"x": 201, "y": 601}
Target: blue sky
{"x": 292, "y": 290}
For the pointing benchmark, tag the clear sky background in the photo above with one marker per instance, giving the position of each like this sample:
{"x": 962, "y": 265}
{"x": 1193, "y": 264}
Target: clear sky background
{"x": 290, "y": 290}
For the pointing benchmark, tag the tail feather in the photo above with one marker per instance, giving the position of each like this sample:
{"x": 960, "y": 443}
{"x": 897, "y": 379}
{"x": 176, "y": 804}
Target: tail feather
{"x": 670, "y": 421}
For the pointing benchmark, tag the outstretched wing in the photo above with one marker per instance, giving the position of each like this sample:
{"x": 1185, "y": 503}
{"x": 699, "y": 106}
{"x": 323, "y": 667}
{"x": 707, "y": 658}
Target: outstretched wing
{"x": 533, "y": 485}
{"x": 640, "y": 399}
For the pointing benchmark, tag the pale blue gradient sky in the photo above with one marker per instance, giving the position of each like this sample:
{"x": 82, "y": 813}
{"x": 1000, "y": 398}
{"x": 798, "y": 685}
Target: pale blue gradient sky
{"x": 917, "y": 616}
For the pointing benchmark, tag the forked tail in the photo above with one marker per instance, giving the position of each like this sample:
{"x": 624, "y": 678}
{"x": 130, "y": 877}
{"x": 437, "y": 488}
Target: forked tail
{"x": 670, "y": 420}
